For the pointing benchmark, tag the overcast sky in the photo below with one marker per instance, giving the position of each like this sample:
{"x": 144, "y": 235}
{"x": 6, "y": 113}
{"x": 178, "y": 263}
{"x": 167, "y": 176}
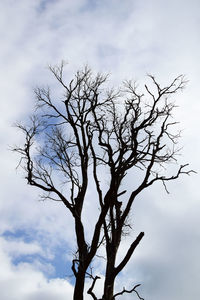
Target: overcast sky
{"x": 128, "y": 39}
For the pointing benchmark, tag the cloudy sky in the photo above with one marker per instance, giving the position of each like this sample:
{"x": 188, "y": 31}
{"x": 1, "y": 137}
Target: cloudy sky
{"x": 128, "y": 39}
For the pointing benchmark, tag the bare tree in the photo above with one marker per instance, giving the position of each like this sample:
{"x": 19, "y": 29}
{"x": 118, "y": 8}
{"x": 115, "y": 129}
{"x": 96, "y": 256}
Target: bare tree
{"x": 93, "y": 129}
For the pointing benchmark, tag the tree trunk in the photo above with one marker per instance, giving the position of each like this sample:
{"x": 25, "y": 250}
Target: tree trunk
{"x": 110, "y": 277}
{"x": 108, "y": 290}
{"x": 79, "y": 286}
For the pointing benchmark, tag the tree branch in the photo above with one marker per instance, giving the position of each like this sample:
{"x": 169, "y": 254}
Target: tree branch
{"x": 90, "y": 290}
{"x": 129, "y": 292}
{"x": 128, "y": 254}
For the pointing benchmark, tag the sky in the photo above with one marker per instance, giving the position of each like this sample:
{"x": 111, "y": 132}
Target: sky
{"x": 128, "y": 39}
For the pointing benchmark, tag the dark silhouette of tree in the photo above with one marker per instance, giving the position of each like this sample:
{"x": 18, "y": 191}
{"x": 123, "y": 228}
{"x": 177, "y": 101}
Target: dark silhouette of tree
{"x": 91, "y": 130}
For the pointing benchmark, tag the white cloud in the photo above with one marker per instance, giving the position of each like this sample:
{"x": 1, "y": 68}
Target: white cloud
{"x": 24, "y": 281}
{"x": 16, "y": 247}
